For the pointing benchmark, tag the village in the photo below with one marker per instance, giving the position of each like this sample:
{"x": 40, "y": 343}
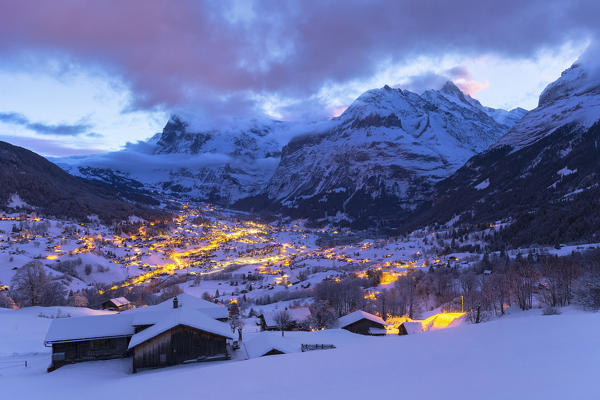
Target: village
{"x": 213, "y": 285}
{"x": 231, "y": 278}
{"x": 197, "y": 248}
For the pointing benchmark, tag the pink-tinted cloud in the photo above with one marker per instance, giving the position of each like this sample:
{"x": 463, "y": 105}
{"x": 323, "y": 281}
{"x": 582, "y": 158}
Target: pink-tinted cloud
{"x": 215, "y": 57}
{"x": 472, "y": 87}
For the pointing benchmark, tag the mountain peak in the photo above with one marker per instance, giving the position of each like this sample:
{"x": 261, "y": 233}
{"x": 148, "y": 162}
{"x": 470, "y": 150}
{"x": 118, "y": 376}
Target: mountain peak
{"x": 451, "y": 89}
{"x": 576, "y": 80}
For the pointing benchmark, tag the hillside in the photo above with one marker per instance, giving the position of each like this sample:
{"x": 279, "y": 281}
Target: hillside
{"x": 543, "y": 173}
{"x": 523, "y": 356}
{"x": 32, "y": 182}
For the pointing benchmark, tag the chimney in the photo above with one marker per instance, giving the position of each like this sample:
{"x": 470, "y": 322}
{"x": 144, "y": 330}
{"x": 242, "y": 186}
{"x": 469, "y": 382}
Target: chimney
{"x": 175, "y": 302}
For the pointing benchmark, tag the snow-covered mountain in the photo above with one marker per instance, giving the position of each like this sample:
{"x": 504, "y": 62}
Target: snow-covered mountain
{"x": 185, "y": 160}
{"x": 544, "y": 173}
{"x": 383, "y": 155}
{"x": 573, "y": 98}
{"x": 388, "y": 148}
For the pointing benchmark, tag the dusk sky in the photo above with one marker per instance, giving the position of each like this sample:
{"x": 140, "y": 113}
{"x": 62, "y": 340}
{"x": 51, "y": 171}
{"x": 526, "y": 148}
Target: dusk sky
{"x": 79, "y": 77}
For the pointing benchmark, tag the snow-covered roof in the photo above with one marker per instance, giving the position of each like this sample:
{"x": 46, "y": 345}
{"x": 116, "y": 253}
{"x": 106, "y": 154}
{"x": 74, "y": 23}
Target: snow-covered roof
{"x": 297, "y": 314}
{"x": 182, "y": 316}
{"x": 357, "y": 316}
{"x": 413, "y": 327}
{"x": 119, "y": 301}
{"x": 188, "y": 301}
{"x": 265, "y": 342}
{"x": 97, "y": 326}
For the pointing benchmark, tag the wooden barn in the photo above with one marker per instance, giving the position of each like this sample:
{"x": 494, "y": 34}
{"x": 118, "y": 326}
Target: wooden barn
{"x": 185, "y": 336}
{"x": 363, "y": 323}
{"x": 90, "y": 338}
{"x": 175, "y": 331}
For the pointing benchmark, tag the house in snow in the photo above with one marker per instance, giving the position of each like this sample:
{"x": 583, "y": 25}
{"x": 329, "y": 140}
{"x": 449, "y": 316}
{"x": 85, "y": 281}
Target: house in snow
{"x": 363, "y": 323}
{"x": 410, "y": 328}
{"x": 117, "y": 304}
{"x": 268, "y": 344}
{"x": 185, "y": 335}
{"x": 298, "y": 318}
{"x": 169, "y": 333}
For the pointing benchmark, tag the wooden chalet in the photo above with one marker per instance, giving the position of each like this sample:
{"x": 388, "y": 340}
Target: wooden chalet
{"x": 185, "y": 336}
{"x": 169, "y": 333}
{"x": 117, "y": 304}
{"x": 363, "y": 323}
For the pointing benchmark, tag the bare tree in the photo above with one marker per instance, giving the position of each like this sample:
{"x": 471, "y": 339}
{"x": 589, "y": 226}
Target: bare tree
{"x": 282, "y": 320}
{"x": 77, "y": 299}
{"x": 6, "y": 301}
{"x": 321, "y": 315}
{"x": 523, "y": 279}
{"x": 344, "y": 296}
{"x": 30, "y": 284}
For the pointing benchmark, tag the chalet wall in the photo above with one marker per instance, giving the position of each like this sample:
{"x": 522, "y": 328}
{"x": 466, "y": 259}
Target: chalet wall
{"x": 89, "y": 350}
{"x": 178, "y": 345}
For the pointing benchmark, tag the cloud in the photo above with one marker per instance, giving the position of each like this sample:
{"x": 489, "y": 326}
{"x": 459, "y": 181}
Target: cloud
{"x": 219, "y": 56}
{"x": 471, "y": 87}
{"x": 44, "y": 129}
{"x": 47, "y": 147}
{"x": 458, "y": 72}
{"x": 460, "y": 75}
{"x": 427, "y": 80}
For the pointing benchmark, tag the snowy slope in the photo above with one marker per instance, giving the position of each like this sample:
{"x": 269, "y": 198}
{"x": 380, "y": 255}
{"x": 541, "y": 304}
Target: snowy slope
{"x": 543, "y": 173}
{"x": 525, "y": 357}
{"x": 383, "y": 155}
{"x": 573, "y": 98}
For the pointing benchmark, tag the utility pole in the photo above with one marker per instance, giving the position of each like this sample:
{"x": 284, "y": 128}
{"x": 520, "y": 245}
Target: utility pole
{"x": 462, "y": 304}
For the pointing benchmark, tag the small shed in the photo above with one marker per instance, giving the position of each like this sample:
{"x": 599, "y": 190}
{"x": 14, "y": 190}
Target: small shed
{"x": 363, "y": 323}
{"x": 269, "y": 344}
{"x": 185, "y": 336}
{"x": 117, "y": 304}
{"x": 410, "y": 328}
